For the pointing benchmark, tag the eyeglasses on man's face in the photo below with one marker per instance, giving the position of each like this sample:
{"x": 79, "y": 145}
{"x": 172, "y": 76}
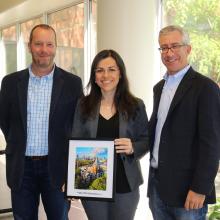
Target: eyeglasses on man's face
{"x": 110, "y": 70}
{"x": 174, "y": 48}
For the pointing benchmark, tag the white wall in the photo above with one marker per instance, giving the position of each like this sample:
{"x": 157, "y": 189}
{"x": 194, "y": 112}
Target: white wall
{"x": 130, "y": 27}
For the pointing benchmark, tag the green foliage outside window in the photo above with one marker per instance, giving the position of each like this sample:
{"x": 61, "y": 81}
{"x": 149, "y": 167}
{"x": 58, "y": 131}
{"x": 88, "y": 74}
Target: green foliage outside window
{"x": 202, "y": 20}
{"x": 214, "y": 211}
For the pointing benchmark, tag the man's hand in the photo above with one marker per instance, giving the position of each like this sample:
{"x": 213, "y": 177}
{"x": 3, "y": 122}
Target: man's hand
{"x": 194, "y": 200}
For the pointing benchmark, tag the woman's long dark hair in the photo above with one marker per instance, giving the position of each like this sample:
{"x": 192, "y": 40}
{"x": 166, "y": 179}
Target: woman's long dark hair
{"x": 124, "y": 101}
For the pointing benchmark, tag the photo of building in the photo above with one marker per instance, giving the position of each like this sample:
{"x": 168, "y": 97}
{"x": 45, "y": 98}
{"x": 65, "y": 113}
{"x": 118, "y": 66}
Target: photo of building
{"x": 91, "y": 168}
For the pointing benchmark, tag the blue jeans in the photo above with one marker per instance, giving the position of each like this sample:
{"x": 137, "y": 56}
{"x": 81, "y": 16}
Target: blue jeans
{"x": 162, "y": 211}
{"x": 36, "y": 182}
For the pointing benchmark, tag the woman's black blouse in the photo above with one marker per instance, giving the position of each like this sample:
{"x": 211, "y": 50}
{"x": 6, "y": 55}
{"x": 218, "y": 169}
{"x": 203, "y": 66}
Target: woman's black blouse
{"x": 109, "y": 129}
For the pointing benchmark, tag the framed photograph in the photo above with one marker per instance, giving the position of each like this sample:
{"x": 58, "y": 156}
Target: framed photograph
{"x": 90, "y": 169}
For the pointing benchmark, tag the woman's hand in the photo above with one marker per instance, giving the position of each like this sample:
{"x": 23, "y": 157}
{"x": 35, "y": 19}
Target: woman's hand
{"x": 123, "y": 145}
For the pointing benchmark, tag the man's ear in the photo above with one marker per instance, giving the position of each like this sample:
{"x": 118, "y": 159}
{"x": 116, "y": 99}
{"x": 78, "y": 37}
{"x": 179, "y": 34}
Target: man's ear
{"x": 189, "y": 48}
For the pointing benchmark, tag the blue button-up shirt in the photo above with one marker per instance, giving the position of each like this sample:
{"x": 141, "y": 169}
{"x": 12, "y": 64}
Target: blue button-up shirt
{"x": 38, "y": 109}
{"x": 169, "y": 89}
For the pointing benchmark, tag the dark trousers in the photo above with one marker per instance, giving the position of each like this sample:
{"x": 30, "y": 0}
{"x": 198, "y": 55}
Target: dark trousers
{"x": 36, "y": 182}
{"x": 123, "y": 207}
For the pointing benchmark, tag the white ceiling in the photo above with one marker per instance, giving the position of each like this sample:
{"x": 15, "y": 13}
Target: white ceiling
{"x": 7, "y": 4}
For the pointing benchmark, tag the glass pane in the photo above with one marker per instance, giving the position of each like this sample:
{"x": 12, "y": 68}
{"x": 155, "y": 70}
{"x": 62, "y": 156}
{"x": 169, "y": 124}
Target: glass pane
{"x": 69, "y": 26}
{"x": 201, "y": 19}
{"x": 10, "y": 47}
{"x": 26, "y": 28}
{"x": 94, "y": 28}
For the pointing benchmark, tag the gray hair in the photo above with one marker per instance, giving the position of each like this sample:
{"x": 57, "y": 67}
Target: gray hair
{"x": 171, "y": 28}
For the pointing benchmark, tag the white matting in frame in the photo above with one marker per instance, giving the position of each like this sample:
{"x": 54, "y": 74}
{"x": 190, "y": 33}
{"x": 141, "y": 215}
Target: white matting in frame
{"x": 90, "y": 169}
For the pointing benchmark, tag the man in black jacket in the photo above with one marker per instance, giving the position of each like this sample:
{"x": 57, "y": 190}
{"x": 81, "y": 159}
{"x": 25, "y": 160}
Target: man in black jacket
{"x": 184, "y": 133}
{"x": 36, "y": 112}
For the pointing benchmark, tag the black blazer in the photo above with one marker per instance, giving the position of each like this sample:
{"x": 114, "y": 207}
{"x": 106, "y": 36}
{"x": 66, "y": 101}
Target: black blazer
{"x": 66, "y": 90}
{"x": 136, "y": 128}
{"x": 190, "y": 139}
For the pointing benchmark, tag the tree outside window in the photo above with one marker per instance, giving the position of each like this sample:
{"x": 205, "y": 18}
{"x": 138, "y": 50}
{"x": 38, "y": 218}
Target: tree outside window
{"x": 202, "y": 20}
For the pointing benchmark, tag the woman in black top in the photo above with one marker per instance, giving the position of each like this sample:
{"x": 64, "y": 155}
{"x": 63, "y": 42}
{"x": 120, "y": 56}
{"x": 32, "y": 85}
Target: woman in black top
{"x": 111, "y": 111}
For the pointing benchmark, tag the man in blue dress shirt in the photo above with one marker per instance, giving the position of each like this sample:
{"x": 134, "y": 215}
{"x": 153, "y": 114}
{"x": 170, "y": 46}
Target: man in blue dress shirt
{"x": 184, "y": 135}
{"x": 36, "y": 111}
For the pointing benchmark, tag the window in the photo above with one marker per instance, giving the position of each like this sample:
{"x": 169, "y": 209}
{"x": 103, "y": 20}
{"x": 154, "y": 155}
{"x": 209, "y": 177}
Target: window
{"x": 24, "y": 39}
{"x": 9, "y": 59}
{"x": 75, "y": 26}
{"x": 94, "y": 25}
{"x": 69, "y": 26}
{"x": 201, "y": 19}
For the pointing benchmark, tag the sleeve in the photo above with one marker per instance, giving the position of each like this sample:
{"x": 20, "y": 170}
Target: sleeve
{"x": 140, "y": 141}
{"x": 77, "y": 127}
{"x": 208, "y": 139}
{"x": 4, "y": 107}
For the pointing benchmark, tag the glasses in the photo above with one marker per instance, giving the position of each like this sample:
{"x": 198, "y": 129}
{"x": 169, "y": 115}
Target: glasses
{"x": 174, "y": 48}
{"x": 110, "y": 70}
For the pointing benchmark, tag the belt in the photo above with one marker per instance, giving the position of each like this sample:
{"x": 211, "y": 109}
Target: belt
{"x": 44, "y": 157}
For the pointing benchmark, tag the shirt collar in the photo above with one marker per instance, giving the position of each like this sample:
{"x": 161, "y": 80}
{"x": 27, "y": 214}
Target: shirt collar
{"x": 48, "y": 76}
{"x": 177, "y": 75}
